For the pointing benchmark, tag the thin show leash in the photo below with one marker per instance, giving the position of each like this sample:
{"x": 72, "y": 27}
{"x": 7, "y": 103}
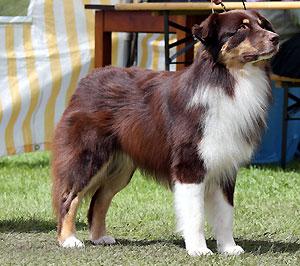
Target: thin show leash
{"x": 224, "y": 8}
{"x": 213, "y": 11}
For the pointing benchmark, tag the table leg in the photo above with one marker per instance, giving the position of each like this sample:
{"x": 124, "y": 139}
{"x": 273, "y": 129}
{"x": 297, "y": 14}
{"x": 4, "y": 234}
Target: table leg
{"x": 102, "y": 41}
{"x": 284, "y": 126}
{"x": 167, "y": 41}
{"x": 187, "y": 57}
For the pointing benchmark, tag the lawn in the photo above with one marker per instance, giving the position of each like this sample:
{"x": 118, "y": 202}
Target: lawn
{"x": 141, "y": 218}
{"x": 13, "y": 7}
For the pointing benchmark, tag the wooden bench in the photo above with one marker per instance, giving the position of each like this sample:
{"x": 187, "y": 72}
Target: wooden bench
{"x": 288, "y": 108}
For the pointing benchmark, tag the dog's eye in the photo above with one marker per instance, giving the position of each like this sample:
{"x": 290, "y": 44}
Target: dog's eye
{"x": 266, "y": 25}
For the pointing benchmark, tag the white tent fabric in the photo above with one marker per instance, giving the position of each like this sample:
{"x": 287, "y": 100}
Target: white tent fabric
{"x": 42, "y": 57}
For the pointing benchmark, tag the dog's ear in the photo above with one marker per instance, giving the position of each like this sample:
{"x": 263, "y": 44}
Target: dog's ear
{"x": 206, "y": 31}
{"x": 265, "y": 24}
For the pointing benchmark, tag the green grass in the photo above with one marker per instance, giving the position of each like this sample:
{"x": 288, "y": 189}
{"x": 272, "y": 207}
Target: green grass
{"x": 13, "y": 7}
{"x": 267, "y": 221}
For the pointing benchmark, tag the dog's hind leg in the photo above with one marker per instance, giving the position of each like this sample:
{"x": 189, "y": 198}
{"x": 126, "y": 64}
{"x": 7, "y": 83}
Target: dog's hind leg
{"x": 67, "y": 236}
{"x": 120, "y": 172}
{"x": 67, "y": 204}
{"x": 75, "y": 172}
{"x": 83, "y": 147}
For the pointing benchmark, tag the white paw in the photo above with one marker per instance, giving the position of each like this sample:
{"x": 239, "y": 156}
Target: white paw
{"x": 72, "y": 242}
{"x": 231, "y": 250}
{"x": 199, "y": 251}
{"x": 104, "y": 240}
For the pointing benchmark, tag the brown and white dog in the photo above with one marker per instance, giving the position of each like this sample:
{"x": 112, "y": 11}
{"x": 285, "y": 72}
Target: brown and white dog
{"x": 191, "y": 129}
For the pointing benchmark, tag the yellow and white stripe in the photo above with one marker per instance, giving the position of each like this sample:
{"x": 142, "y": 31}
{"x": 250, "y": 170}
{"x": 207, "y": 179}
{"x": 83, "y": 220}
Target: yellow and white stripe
{"x": 151, "y": 53}
{"x": 5, "y": 99}
{"x": 42, "y": 57}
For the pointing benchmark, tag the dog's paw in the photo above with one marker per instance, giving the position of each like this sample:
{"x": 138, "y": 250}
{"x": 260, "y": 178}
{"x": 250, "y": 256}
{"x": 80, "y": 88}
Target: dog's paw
{"x": 231, "y": 250}
{"x": 104, "y": 240}
{"x": 199, "y": 251}
{"x": 72, "y": 242}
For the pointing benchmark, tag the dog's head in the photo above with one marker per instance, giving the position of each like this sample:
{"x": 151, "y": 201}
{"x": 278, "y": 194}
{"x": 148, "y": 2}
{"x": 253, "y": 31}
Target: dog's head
{"x": 235, "y": 38}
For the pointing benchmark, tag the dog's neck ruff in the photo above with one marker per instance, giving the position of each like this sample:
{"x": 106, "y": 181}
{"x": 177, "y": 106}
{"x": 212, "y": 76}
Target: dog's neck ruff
{"x": 232, "y": 124}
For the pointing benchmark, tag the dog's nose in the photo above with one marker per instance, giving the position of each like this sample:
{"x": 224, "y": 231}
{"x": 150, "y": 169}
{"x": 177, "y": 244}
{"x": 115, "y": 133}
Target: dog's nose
{"x": 275, "y": 39}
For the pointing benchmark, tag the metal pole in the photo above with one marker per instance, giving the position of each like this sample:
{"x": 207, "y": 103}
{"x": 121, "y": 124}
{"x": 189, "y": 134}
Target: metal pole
{"x": 166, "y": 33}
{"x": 284, "y": 126}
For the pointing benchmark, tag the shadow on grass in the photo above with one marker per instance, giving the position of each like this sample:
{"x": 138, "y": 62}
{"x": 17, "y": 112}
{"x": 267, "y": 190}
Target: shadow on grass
{"x": 31, "y": 225}
{"x": 262, "y": 246}
{"x": 256, "y": 247}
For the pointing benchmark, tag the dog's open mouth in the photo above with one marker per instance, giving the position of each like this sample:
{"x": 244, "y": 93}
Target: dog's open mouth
{"x": 270, "y": 53}
{"x": 259, "y": 57}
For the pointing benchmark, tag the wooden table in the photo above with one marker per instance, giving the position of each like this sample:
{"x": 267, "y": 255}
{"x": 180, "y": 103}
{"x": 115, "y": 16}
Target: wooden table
{"x": 176, "y": 18}
{"x": 109, "y": 19}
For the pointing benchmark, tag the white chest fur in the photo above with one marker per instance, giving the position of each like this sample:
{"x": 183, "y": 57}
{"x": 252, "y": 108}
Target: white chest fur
{"x": 229, "y": 119}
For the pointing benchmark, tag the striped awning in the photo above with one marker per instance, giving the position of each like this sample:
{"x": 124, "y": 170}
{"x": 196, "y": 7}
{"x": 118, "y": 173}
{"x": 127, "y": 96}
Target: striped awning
{"x": 42, "y": 57}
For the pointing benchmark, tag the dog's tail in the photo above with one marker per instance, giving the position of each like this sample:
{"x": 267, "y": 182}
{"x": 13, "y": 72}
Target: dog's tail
{"x": 65, "y": 171}
{"x": 81, "y": 145}
{"x": 66, "y": 181}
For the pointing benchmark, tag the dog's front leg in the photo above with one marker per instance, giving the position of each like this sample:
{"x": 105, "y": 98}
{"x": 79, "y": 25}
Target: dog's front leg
{"x": 219, "y": 211}
{"x": 189, "y": 207}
